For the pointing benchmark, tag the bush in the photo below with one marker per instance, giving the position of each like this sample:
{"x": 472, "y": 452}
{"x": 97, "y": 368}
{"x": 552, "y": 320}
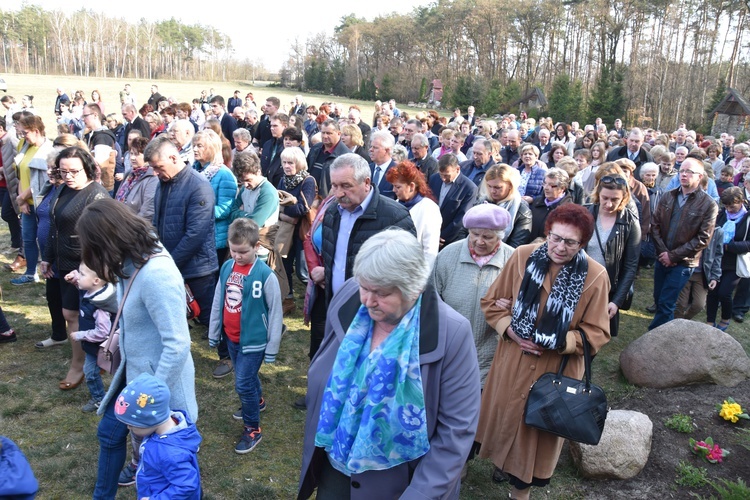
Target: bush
{"x": 679, "y": 423}
{"x": 691, "y": 476}
{"x": 729, "y": 490}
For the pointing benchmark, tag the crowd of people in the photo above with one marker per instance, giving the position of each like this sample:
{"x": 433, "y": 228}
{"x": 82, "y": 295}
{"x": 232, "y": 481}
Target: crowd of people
{"x": 446, "y": 262}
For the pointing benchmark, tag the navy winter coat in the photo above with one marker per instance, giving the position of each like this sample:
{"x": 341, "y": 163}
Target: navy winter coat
{"x": 184, "y": 220}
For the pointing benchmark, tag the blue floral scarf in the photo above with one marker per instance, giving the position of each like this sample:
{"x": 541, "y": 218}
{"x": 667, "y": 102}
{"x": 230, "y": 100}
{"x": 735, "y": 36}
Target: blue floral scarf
{"x": 373, "y": 415}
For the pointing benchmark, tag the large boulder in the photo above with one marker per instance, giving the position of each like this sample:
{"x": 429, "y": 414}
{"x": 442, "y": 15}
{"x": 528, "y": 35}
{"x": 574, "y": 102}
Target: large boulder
{"x": 684, "y": 352}
{"x": 623, "y": 450}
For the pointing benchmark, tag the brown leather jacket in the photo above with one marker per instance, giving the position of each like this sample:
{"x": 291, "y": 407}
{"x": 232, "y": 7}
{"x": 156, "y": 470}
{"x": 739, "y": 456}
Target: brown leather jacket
{"x": 696, "y": 226}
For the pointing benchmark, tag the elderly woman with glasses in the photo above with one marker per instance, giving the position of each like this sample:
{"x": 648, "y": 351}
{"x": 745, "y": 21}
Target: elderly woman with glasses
{"x": 555, "y": 193}
{"x": 393, "y": 392}
{"x": 546, "y": 295}
{"x": 616, "y": 241}
{"x": 532, "y": 172}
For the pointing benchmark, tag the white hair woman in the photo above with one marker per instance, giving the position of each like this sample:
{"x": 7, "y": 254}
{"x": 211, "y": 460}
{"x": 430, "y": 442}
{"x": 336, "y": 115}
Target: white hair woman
{"x": 301, "y": 185}
{"x": 410, "y": 360}
{"x": 465, "y": 269}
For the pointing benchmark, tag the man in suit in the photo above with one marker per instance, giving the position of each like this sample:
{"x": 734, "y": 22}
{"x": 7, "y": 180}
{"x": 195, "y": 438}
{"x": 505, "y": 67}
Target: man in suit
{"x": 135, "y": 122}
{"x": 633, "y": 150}
{"x": 61, "y": 97}
{"x": 475, "y": 169}
{"x": 381, "y": 150}
{"x": 228, "y": 123}
{"x": 299, "y": 106}
{"x": 270, "y": 159}
{"x": 469, "y": 117}
{"x": 420, "y": 148}
{"x": 234, "y": 102}
{"x": 269, "y": 111}
{"x": 455, "y": 193}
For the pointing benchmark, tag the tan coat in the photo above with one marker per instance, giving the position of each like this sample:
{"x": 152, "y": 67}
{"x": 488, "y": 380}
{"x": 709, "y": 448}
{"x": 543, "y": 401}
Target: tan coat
{"x": 515, "y": 448}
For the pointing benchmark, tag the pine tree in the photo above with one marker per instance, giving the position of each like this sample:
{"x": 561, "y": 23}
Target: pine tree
{"x": 559, "y": 107}
{"x": 601, "y": 97}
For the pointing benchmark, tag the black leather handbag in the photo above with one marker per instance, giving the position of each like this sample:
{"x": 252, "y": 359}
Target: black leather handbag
{"x": 570, "y": 408}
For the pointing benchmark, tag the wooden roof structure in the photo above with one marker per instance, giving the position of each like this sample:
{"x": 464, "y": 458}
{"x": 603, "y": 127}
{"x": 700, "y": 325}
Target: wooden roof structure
{"x": 535, "y": 94}
{"x": 733, "y": 104}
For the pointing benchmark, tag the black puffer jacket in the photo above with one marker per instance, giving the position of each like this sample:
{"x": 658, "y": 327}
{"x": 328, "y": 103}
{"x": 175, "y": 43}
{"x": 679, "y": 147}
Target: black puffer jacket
{"x": 622, "y": 251}
{"x": 63, "y": 247}
{"x": 381, "y": 214}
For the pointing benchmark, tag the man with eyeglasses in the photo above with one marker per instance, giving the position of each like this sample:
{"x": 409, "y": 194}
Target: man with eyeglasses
{"x": 681, "y": 228}
{"x": 424, "y": 161}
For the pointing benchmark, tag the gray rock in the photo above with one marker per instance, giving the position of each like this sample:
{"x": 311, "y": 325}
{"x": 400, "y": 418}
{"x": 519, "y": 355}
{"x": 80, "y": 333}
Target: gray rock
{"x": 623, "y": 450}
{"x": 684, "y": 352}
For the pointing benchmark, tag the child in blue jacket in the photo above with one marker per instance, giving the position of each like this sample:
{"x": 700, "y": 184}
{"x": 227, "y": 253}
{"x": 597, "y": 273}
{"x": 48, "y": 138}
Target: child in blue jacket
{"x": 169, "y": 462}
{"x": 247, "y": 310}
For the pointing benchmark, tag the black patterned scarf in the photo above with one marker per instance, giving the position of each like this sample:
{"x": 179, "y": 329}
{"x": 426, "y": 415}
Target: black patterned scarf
{"x": 561, "y": 303}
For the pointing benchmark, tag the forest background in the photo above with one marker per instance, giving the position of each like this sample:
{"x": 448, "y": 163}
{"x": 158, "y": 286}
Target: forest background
{"x": 654, "y": 63}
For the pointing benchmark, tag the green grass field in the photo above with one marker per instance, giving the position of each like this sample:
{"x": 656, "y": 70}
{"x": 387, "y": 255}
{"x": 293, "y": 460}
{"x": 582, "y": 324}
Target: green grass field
{"x": 60, "y": 441}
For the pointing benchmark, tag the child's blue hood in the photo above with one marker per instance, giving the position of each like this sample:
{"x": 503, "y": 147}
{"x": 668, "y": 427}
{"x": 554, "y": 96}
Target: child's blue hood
{"x": 185, "y": 435}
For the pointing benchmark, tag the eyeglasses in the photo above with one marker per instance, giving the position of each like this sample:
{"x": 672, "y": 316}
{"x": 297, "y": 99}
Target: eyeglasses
{"x": 70, "y": 173}
{"x": 611, "y": 179}
{"x": 687, "y": 172}
{"x": 569, "y": 243}
{"x": 86, "y": 116}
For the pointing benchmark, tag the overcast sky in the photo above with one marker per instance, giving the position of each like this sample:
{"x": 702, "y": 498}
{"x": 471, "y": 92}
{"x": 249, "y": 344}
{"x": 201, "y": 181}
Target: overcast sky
{"x": 256, "y": 39}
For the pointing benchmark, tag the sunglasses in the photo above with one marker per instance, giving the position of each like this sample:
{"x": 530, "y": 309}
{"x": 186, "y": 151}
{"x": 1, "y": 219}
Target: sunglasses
{"x": 611, "y": 179}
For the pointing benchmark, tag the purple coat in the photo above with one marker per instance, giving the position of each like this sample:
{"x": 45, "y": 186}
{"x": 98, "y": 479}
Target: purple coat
{"x": 452, "y": 393}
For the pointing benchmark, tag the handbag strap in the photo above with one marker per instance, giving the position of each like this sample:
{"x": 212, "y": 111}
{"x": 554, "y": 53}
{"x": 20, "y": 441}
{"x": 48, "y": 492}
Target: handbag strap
{"x": 586, "y": 362}
{"x": 116, "y": 321}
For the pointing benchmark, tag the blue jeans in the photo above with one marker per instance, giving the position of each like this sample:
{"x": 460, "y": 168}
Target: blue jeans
{"x": 113, "y": 443}
{"x": 203, "y": 288}
{"x": 668, "y": 283}
{"x": 93, "y": 378}
{"x": 28, "y": 232}
{"x": 247, "y": 382}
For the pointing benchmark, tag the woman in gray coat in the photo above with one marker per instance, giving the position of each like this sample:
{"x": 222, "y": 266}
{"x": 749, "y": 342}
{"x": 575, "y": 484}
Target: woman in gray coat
{"x": 393, "y": 392}
{"x": 154, "y": 335}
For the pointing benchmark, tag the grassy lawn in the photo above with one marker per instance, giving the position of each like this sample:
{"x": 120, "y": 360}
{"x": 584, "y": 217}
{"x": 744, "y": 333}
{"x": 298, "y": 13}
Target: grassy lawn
{"x": 60, "y": 440}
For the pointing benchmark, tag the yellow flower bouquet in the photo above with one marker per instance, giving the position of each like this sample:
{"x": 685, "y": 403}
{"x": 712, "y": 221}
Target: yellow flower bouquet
{"x": 732, "y": 411}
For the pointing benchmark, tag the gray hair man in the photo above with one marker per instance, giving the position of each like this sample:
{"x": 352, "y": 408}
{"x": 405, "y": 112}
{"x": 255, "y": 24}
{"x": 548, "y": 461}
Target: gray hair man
{"x": 420, "y": 149}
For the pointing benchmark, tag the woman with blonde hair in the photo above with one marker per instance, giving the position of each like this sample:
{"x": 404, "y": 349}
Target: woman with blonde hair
{"x": 351, "y": 136}
{"x": 616, "y": 240}
{"x": 209, "y": 161}
{"x": 500, "y": 187}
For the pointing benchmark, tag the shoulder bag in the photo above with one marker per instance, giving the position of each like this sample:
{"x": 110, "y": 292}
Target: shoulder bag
{"x": 312, "y": 211}
{"x": 743, "y": 259}
{"x": 108, "y": 358}
{"x": 570, "y": 408}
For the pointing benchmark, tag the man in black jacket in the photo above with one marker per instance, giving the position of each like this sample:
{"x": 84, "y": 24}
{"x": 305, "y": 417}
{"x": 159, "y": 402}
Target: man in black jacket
{"x": 633, "y": 151}
{"x": 358, "y": 213}
{"x": 155, "y": 97}
{"x": 322, "y": 154}
{"x": 270, "y": 160}
{"x": 135, "y": 122}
